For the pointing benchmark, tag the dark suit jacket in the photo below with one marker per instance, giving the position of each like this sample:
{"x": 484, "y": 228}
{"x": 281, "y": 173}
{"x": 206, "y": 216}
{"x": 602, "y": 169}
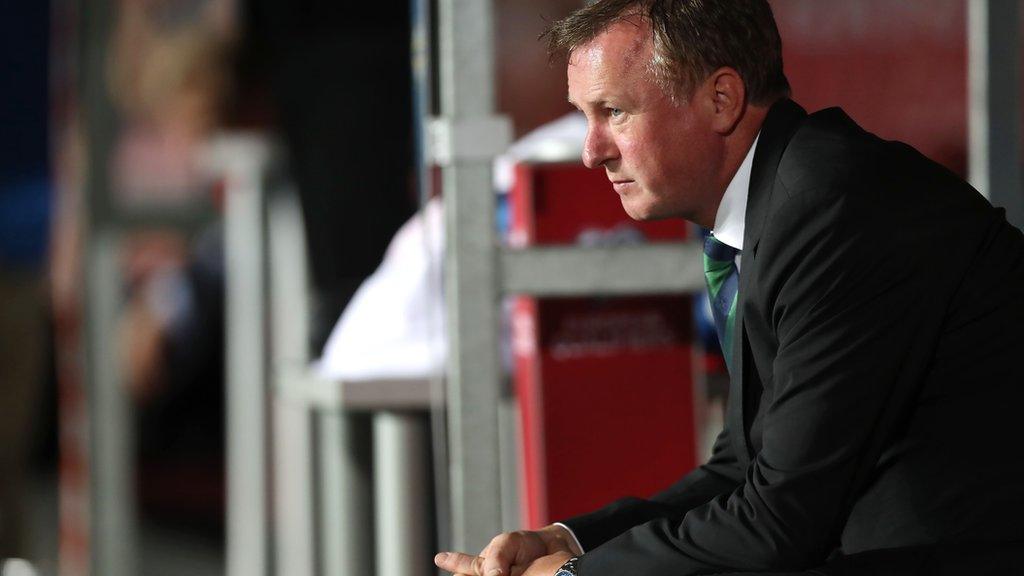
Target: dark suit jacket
{"x": 879, "y": 382}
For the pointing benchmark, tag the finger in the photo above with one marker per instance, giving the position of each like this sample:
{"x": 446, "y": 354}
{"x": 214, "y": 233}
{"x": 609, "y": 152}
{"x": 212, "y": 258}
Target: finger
{"x": 495, "y": 544}
{"x": 502, "y": 552}
{"x": 459, "y": 563}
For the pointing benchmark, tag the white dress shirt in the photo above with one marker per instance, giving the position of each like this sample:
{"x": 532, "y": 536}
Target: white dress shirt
{"x": 730, "y": 221}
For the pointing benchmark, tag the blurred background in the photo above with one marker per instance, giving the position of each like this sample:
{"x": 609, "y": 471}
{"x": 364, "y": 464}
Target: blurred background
{"x": 283, "y": 285}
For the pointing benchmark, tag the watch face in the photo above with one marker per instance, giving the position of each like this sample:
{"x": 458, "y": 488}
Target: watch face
{"x": 562, "y": 572}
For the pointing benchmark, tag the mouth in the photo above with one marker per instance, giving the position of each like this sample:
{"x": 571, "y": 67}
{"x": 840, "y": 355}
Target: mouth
{"x": 620, "y": 185}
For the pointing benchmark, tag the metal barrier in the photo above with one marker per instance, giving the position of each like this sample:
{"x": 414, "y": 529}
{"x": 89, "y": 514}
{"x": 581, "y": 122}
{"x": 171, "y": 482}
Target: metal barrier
{"x": 347, "y": 461}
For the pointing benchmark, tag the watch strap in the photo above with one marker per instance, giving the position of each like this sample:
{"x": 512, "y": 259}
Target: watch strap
{"x": 569, "y": 568}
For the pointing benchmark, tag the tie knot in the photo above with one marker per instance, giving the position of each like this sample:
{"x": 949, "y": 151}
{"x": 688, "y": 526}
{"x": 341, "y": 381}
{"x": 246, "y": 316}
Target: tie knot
{"x": 716, "y": 250}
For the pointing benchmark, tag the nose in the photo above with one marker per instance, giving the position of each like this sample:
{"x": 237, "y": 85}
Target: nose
{"x": 598, "y": 148}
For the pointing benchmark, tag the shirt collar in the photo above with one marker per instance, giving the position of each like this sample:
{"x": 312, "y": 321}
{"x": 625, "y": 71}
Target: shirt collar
{"x": 730, "y": 221}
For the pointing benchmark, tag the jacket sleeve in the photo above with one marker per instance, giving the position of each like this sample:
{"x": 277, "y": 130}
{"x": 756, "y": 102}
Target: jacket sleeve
{"x": 720, "y": 475}
{"x": 854, "y": 328}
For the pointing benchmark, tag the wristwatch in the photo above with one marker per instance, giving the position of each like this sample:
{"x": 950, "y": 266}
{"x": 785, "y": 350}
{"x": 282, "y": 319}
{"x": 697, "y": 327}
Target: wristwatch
{"x": 569, "y": 568}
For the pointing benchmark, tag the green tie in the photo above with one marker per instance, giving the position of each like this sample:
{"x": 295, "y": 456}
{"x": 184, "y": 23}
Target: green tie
{"x": 723, "y": 280}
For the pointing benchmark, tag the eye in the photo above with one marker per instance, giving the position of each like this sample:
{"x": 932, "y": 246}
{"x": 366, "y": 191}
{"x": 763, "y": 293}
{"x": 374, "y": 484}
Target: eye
{"x": 615, "y": 112}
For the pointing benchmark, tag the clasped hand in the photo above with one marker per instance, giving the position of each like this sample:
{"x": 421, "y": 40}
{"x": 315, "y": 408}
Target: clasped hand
{"x": 521, "y": 553}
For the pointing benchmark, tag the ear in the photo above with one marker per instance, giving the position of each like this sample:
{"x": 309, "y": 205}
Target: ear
{"x": 729, "y": 99}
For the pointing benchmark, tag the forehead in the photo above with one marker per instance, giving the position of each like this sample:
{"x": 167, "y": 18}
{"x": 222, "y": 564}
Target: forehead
{"x": 621, "y": 49}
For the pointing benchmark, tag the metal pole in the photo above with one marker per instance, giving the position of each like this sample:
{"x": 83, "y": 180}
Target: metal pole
{"x": 248, "y": 533}
{"x": 422, "y": 75}
{"x": 294, "y": 518}
{"x": 467, "y": 95}
{"x": 509, "y": 433}
{"x": 401, "y": 494}
{"x": 345, "y": 490}
{"x": 112, "y": 492}
{"x": 293, "y": 462}
{"x": 994, "y": 70}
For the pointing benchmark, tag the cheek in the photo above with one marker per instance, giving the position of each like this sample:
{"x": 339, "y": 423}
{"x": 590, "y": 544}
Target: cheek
{"x": 681, "y": 158}
{"x": 657, "y": 165}
{"x": 651, "y": 152}
{"x": 636, "y": 154}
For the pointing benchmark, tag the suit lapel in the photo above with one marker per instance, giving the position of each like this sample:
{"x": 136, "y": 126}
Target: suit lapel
{"x": 779, "y": 125}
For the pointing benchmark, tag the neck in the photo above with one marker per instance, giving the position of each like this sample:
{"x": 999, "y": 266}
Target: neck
{"x": 736, "y": 146}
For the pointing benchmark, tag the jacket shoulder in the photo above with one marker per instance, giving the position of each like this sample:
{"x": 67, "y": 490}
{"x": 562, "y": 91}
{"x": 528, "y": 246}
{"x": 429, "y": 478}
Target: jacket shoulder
{"x": 828, "y": 151}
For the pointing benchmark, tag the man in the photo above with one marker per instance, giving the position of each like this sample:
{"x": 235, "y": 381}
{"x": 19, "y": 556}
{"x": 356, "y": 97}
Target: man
{"x": 873, "y": 341}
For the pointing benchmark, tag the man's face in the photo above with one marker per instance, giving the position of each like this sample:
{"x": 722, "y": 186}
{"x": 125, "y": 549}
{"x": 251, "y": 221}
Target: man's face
{"x": 661, "y": 156}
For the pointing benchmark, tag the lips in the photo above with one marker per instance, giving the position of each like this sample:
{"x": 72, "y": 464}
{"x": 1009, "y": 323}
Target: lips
{"x": 619, "y": 185}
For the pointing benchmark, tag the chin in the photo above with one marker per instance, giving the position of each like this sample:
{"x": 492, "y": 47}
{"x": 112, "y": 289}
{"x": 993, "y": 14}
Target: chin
{"x": 634, "y": 208}
{"x": 641, "y": 211}
{"x": 634, "y": 212}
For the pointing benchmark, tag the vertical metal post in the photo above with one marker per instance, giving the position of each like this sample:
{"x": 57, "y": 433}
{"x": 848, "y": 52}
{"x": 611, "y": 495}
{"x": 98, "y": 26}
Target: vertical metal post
{"x": 509, "y": 432}
{"x": 111, "y": 488}
{"x": 401, "y": 505}
{"x": 423, "y": 101}
{"x": 994, "y": 70}
{"x": 248, "y": 534}
{"x": 294, "y": 520}
{"x": 111, "y": 480}
{"x": 295, "y": 526}
{"x": 345, "y": 493}
{"x": 467, "y": 93}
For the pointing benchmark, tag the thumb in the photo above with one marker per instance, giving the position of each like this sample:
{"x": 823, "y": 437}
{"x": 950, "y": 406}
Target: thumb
{"x": 459, "y": 563}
